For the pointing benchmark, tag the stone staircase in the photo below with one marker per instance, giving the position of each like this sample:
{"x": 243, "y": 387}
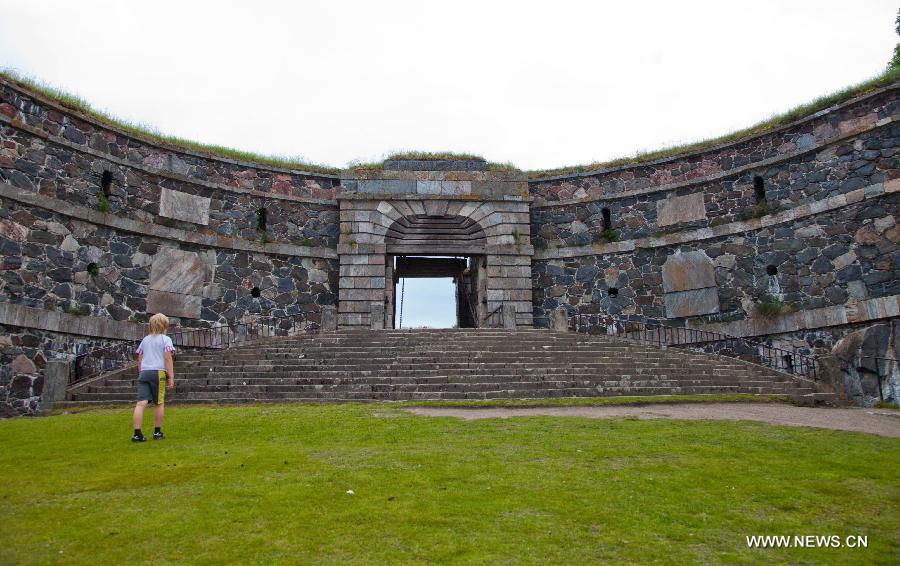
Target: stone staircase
{"x": 391, "y": 365}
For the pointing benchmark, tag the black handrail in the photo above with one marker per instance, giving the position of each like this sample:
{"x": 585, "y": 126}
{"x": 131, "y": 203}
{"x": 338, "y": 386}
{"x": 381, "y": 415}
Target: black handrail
{"x": 110, "y": 358}
{"x": 492, "y": 314}
{"x": 659, "y": 333}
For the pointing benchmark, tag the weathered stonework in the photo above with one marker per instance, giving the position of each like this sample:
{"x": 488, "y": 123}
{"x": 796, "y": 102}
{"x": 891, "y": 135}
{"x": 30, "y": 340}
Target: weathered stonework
{"x": 182, "y": 206}
{"x": 492, "y": 226}
{"x": 686, "y": 238}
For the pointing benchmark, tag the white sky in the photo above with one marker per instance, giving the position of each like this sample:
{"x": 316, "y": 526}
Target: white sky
{"x": 428, "y": 302}
{"x": 535, "y": 83}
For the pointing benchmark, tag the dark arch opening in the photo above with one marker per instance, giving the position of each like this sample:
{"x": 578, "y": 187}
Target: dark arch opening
{"x": 771, "y": 270}
{"x": 613, "y": 291}
{"x": 106, "y": 183}
{"x": 607, "y": 219}
{"x": 255, "y": 292}
{"x": 759, "y": 188}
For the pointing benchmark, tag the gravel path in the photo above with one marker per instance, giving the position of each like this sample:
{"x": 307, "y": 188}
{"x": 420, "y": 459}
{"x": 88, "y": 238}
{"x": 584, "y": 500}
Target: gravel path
{"x": 875, "y": 421}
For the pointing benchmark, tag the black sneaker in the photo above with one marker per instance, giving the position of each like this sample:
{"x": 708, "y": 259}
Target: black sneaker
{"x": 139, "y": 438}
{"x": 158, "y": 435}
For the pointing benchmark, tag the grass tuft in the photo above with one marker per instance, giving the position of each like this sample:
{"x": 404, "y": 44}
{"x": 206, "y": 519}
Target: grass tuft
{"x": 152, "y": 135}
{"x": 770, "y": 306}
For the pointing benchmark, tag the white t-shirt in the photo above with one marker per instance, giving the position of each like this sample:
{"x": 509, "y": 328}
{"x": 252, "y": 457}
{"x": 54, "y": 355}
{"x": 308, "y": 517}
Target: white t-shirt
{"x": 152, "y": 348}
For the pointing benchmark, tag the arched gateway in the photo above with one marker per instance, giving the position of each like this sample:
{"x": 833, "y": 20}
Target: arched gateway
{"x": 395, "y": 221}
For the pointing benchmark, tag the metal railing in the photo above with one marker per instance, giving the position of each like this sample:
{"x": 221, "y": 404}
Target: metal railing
{"x": 495, "y": 317}
{"x": 117, "y": 356}
{"x": 659, "y": 333}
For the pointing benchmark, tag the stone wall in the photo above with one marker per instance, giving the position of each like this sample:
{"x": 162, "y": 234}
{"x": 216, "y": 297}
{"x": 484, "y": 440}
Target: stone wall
{"x": 820, "y": 260}
{"x": 99, "y": 229}
{"x": 26, "y": 109}
{"x": 97, "y": 225}
{"x": 838, "y": 168}
{"x": 67, "y": 173}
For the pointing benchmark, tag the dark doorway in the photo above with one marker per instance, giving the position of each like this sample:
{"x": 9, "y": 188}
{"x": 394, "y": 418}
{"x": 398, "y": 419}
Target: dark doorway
{"x": 451, "y": 279}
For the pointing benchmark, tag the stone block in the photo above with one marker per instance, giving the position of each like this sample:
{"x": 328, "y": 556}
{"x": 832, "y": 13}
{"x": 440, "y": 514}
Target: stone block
{"x": 182, "y": 206}
{"x": 376, "y": 320}
{"x": 56, "y": 379}
{"x": 174, "y": 304}
{"x": 686, "y": 271}
{"x": 428, "y": 187}
{"x": 692, "y": 303}
{"x": 509, "y": 316}
{"x": 456, "y": 187}
{"x": 675, "y": 210}
{"x": 329, "y": 319}
{"x": 560, "y": 320}
{"x": 178, "y": 271}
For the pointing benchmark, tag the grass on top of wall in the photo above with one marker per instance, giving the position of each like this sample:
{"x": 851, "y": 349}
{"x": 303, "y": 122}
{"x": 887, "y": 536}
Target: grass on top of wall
{"x": 152, "y": 135}
{"x": 890, "y": 76}
{"x": 374, "y": 484}
{"x": 432, "y": 156}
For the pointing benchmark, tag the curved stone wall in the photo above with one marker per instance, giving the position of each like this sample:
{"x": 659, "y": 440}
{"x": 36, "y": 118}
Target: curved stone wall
{"x": 91, "y": 217}
{"x": 804, "y": 218}
{"x": 94, "y": 220}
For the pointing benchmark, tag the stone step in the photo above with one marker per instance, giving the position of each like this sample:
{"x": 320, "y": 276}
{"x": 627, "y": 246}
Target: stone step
{"x": 447, "y": 364}
{"x": 348, "y": 395}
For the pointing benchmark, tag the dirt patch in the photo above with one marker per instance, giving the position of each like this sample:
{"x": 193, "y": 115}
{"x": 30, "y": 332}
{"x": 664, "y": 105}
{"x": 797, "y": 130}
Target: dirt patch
{"x": 874, "y": 421}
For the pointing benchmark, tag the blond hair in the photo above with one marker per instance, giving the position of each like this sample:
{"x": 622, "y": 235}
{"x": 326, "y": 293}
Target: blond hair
{"x": 159, "y": 323}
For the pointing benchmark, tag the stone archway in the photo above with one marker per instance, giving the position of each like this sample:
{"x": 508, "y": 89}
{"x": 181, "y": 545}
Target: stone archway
{"x": 374, "y": 230}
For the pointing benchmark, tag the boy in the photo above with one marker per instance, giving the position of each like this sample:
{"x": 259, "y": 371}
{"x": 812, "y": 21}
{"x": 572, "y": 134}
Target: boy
{"x": 154, "y": 366}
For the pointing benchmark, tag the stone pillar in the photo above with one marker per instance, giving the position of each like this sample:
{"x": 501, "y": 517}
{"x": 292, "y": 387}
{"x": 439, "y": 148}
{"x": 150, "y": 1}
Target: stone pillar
{"x": 376, "y": 322}
{"x": 56, "y": 380}
{"x": 509, "y": 316}
{"x": 560, "y": 321}
{"x": 329, "y": 319}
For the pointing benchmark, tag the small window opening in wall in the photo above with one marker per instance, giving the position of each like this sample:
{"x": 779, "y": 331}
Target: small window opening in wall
{"x": 92, "y": 268}
{"x": 106, "y": 183}
{"x": 607, "y": 219}
{"x": 255, "y": 292}
{"x": 262, "y": 218}
{"x": 771, "y": 270}
{"x": 759, "y": 188}
{"x": 335, "y": 183}
{"x": 613, "y": 291}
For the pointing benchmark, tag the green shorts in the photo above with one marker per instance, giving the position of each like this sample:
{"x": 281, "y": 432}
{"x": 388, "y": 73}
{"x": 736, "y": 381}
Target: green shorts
{"x": 151, "y": 386}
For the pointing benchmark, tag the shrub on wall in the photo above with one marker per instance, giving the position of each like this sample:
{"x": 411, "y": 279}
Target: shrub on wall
{"x": 770, "y": 306}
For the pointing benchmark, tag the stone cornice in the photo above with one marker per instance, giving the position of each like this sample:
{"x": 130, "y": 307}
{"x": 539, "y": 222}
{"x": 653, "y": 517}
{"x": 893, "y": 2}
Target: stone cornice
{"x": 153, "y": 143}
{"x": 722, "y": 146}
{"x": 721, "y": 174}
{"x": 804, "y": 210}
{"x": 164, "y": 232}
{"x": 853, "y": 312}
{"x": 56, "y": 321}
{"x": 18, "y": 124}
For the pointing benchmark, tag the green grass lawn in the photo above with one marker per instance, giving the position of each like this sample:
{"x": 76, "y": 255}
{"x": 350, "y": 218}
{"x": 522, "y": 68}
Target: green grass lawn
{"x": 269, "y": 484}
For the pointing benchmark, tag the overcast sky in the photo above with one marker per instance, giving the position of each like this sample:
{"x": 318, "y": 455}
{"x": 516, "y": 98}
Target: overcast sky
{"x": 537, "y": 84}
